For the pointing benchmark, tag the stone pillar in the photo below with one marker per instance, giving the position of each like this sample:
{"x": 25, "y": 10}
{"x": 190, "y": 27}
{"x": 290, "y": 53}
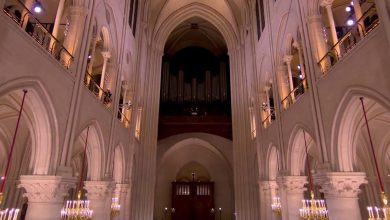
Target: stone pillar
{"x": 287, "y": 59}
{"x": 283, "y": 83}
{"x": 358, "y": 14}
{"x": 268, "y": 190}
{"x": 77, "y": 15}
{"x": 57, "y": 23}
{"x": 328, "y": 6}
{"x": 319, "y": 40}
{"x": 100, "y": 194}
{"x": 45, "y": 195}
{"x": 106, "y": 56}
{"x": 110, "y": 77}
{"x": 291, "y": 196}
{"x": 121, "y": 191}
{"x": 383, "y": 8}
{"x": 341, "y": 191}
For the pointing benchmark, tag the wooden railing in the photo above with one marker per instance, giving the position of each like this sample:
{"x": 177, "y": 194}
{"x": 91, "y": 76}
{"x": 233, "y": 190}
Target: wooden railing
{"x": 295, "y": 94}
{"x": 123, "y": 118}
{"x": 103, "y": 95}
{"x": 362, "y": 27}
{"x": 21, "y": 15}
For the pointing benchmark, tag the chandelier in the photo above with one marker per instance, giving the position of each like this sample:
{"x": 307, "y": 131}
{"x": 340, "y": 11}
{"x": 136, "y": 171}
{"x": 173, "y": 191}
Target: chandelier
{"x": 312, "y": 209}
{"x": 276, "y": 205}
{"x": 10, "y": 213}
{"x": 78, "y": 209}
{"x": 374, "y": 212}
{"x": 115, "y": 207}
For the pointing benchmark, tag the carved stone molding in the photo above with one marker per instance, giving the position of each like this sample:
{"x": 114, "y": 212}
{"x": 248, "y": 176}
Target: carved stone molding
{"x": 46, "y": 188}
{"x": 97, "y": 190}
{"x": 327, "y": 3}
{"x": 292, "y": 184}
{"x": 122, "y": 188}
{"x": 267, "y": 185}
{"x": 340, "y": 184}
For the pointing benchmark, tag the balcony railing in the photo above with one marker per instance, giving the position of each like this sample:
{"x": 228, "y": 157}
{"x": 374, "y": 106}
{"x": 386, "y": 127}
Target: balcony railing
{"x": 123, "y": 118}
{"x": 103, "y": 95}
{"x": 21, "y": 15}
{"x": 367, "y": 23}
{"x": 292, "y": 97}
{"x": 268, "y": 120}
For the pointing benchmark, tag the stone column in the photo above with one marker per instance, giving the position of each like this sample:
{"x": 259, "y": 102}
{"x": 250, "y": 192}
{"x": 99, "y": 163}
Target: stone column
{"x": 319, "y": 40}
{"x": 328, "y": 6}
{"x": 110, "y": 77}
{"x": 341, "y": 191}
{"x": 291, "y": 196}
{"x": 268, "y": 190}
{"x": 121, "y": 191}
{"x": 100, "y": 194}
{"x": 283, "y": 83}
{"x": 383, "y": 8}
{"x": 106, "y": 56}
{"x": 45, "y": 195}
{"x": 57, "y": 23}
{"x": 77, "y": 15}
{"x": 358, "y": 14}
{"x": 287, "y": 59}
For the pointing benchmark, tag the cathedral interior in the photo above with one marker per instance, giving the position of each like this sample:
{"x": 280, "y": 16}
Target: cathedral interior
{"x": 194, "y": 109}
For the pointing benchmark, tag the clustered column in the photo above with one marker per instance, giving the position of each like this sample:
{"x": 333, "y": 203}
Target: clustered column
{"x": 100, "y": 194}
{"x": 341, "y": 191}
{"x": 291, "y": 190}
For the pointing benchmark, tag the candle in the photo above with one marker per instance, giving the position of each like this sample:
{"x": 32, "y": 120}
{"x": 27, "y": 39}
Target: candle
{"x": 16, "y": 214}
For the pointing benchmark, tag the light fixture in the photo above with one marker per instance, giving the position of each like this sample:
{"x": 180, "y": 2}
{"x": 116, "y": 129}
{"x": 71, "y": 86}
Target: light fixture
{"x": 78, "y": 209}
{"x": 115, "y": 207}
{"x": 376, "y": 213}
{"x": 350, "y": 22}
{"x": 37, "y": 7}
{"x": 299, "y": 67}
{"x": 89, "y": 56}
{"x": 348, "y": 9}
{"x": 10, "y": 213}
{"x": 276, "y": 205}
{"x": 312, "y": 209}
{"x": 300, "y": 76}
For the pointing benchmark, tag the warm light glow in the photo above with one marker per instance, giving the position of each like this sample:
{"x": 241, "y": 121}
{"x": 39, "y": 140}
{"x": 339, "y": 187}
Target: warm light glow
{"x": 348, "y": 9}
{"x": 115, "y": 207}
{"x": 378, "y": 213}
{"x": 276, "y": 205}
{"x": 313, "y": 209}
{"x": 299, "y": 67}
{"x": 350, "y": 22}
{"x": 37, "y": 7}
{"x": 76, "y": 210}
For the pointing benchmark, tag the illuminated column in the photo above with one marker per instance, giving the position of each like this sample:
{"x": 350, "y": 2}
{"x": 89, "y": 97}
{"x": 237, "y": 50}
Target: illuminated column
{"x": 328, "y": 6}
{"x": 127, "y": 97}
{"x": 291, "y": 190}
{"x": 319, "y": 40}
{"x": 268, "y": 190}
{"x": 341, "y": 191}
{"x": 45, "y": 195}
{"x": 72, "y": 40}
{"x": 268, "y": 102}
{"x": 57, "y": 23}
{"x": 287, "y": 59}
{"x": 106, "y": 56}
{"x": 25, "y": 13}
{"x": 359, "y": 14}
{"x": 99, "y": 193}
{"x": 283, "y": 83}
{"x": 111, "y": 76}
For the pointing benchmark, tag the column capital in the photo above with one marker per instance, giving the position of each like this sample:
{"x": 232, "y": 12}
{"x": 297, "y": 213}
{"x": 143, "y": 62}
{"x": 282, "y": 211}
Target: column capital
{"x": 327, "y": 3}
{"x": 292, "y": 184}
{"x": 340, "y": 184}
{"x": 266, "y": 185}
{"x": 287, "y": 59}
{"x": 98, "y": 190}
{"x": 106, "y": 54}
{"x": 40, "y": 188}
{"x": 122, "y": 188}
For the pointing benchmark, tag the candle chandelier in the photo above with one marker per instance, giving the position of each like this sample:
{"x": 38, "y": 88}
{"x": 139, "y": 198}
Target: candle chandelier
{"x": 374, "y": 212}
{"x": 276, "y": 205}
{"x": 312, "y": 209}
{"x": 115, "y": 207}
{"x": 10, "y": 213}
{"x": 78, "y": 209}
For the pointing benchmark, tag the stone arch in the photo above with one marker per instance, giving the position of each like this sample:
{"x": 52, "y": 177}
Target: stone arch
{"x": 349, "y": 120}
{"x": 296, "y": 159}
{"x": 196, "y": 9}
{"x": 95, "y": 150}
{"x": 273, "y": 162}
{"x": 38, "y": 113}
{"x": 119, "y": 164}
{"x": 202, "y": 174}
